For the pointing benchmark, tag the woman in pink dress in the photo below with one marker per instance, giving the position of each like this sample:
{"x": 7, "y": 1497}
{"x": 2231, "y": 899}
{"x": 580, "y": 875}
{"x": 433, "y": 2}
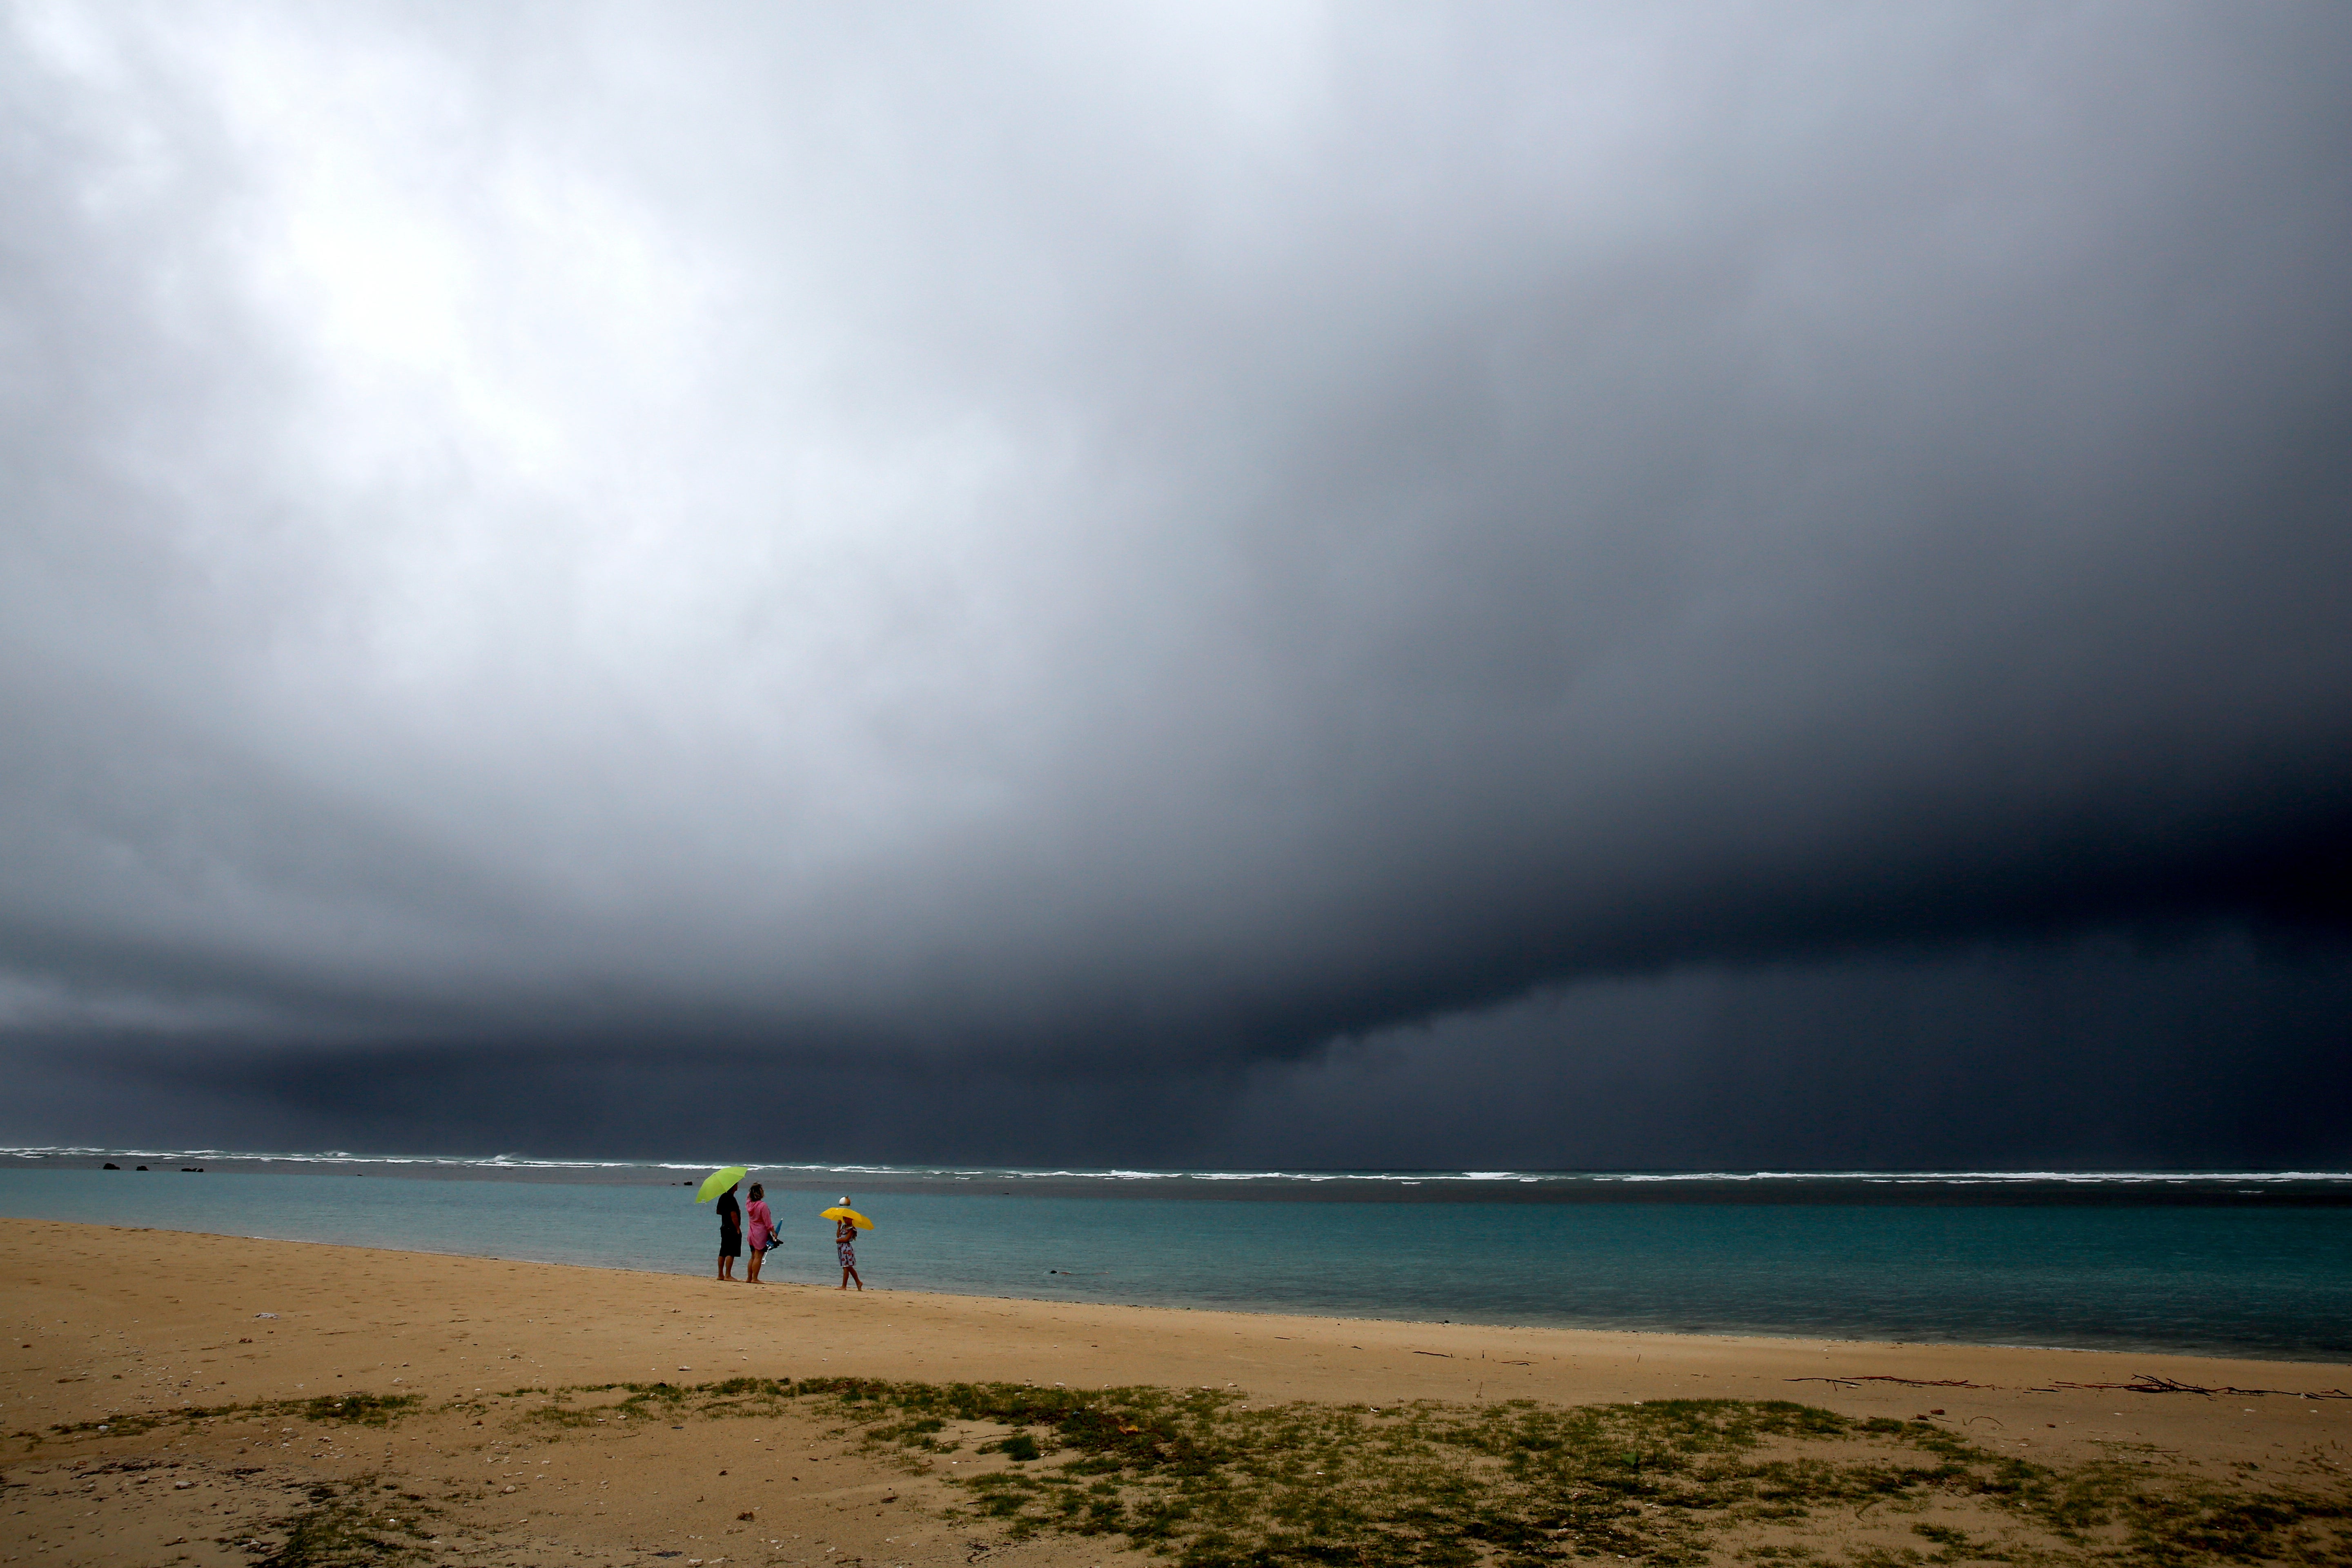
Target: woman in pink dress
{"x": 763, "y": 1231}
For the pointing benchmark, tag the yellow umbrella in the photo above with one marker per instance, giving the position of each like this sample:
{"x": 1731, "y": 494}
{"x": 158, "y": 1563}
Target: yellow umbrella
{"x": 852, "y": 1215}
{"x": 719, "y": 1181}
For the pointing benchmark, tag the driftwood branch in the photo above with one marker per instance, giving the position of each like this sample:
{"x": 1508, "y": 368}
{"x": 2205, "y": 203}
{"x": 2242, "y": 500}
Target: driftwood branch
{"x": 2141, "y": 1383}
{"x": 1859, "y": 1378}
{"x": 2147, "y": 1382}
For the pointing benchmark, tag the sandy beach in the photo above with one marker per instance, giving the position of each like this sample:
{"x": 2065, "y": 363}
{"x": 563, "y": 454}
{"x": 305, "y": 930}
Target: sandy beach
{"x": 116, "y": 1326}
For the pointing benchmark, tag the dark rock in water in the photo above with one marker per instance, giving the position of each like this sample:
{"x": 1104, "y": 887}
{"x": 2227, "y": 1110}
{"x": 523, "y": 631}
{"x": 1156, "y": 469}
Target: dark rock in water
{"x": 192, "y": 1170}
{"x": 143, "y": 1167}
{"x": 110, "y": 1165}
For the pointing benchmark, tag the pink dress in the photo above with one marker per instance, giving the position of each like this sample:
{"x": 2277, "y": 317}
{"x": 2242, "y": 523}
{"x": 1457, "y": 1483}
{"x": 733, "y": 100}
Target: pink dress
{"x": 763, "y": 1225}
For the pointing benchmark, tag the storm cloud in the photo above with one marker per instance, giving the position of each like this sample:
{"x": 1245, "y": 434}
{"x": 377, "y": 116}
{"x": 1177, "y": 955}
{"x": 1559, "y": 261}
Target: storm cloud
{"x": 1146, "y": 557}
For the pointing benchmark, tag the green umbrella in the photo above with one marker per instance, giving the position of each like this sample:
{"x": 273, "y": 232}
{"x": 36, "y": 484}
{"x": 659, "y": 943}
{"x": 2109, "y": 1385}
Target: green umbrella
{"x": 720, "y": 1180}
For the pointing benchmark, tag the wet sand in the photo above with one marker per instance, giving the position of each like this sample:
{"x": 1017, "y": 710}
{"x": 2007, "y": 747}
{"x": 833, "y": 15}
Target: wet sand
{"x": 105, "y": 1324}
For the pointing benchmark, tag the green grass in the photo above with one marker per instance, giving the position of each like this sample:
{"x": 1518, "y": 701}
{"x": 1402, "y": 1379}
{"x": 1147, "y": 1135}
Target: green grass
{"x": 348, "y": 1409}
{"x": 353, "y": 1526}
{"x": 1199, "y": 1477}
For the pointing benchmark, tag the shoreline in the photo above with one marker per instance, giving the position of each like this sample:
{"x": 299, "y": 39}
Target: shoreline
{"x": 1732, "y": 1336}
{"x": 192, "y": 1274}
{"x": 2273, "y": 1285}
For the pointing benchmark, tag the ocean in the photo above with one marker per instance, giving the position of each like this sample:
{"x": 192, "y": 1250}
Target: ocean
{"x": 2245, "y": 1263}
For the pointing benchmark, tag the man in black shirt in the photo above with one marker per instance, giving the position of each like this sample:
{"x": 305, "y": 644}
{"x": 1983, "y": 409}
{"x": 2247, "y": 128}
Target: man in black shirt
{"x": 730, "y": 1231}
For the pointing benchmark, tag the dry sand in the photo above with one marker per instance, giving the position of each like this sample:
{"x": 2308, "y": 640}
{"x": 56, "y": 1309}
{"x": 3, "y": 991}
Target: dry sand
{"x": 108, "y": 1322}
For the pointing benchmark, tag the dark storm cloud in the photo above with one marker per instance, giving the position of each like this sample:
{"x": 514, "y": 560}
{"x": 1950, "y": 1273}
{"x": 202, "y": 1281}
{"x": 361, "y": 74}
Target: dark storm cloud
{"x": 1143, "y": 542}
{"x": 2089, "y": 1053}
{"x": 2094, "y": 1052}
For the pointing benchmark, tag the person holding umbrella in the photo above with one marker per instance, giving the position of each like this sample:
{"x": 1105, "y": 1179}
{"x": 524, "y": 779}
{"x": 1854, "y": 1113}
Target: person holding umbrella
{"x": 731, "y": 1216}
{"x": 847, "y": 1223}
{"x": 730, "y": 1231}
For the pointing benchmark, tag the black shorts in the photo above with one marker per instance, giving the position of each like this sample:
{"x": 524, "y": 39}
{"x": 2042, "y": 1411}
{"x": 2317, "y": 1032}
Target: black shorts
{"x": 730, "y": 1244}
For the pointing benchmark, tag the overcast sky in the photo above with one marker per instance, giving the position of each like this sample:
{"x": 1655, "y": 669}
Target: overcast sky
{"x": 1629, "y": 585}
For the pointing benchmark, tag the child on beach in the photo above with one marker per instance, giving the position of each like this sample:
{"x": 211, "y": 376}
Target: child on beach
{"x": 844, "y": 1237}
{"x": 763, "y": 1231}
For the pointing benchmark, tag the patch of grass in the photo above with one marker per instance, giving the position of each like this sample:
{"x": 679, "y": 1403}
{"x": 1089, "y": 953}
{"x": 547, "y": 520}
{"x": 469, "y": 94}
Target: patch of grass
{"x": 740, "y": 1397}
{"x": 735, "y": 1396}
{"x": 130, "y": 1425}
{"x": 2143, "y": 1509}
{"x": 354, "y": 1409}
{"x": 1200, "y": 1476}
{"x": 561, "y": 1416}
{"x": 349, "y": 1409}
{"x": 1195, "y": 1476}
{"x": 351, "y": 1526}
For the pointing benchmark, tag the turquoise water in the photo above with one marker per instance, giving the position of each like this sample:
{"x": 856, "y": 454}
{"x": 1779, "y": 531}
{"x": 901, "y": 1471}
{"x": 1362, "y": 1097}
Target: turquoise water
{"x": 2259, "y": 1279}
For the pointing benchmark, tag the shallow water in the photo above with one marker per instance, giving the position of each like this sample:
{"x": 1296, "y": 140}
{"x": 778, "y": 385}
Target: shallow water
{"x": 2260, "y": 1279}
